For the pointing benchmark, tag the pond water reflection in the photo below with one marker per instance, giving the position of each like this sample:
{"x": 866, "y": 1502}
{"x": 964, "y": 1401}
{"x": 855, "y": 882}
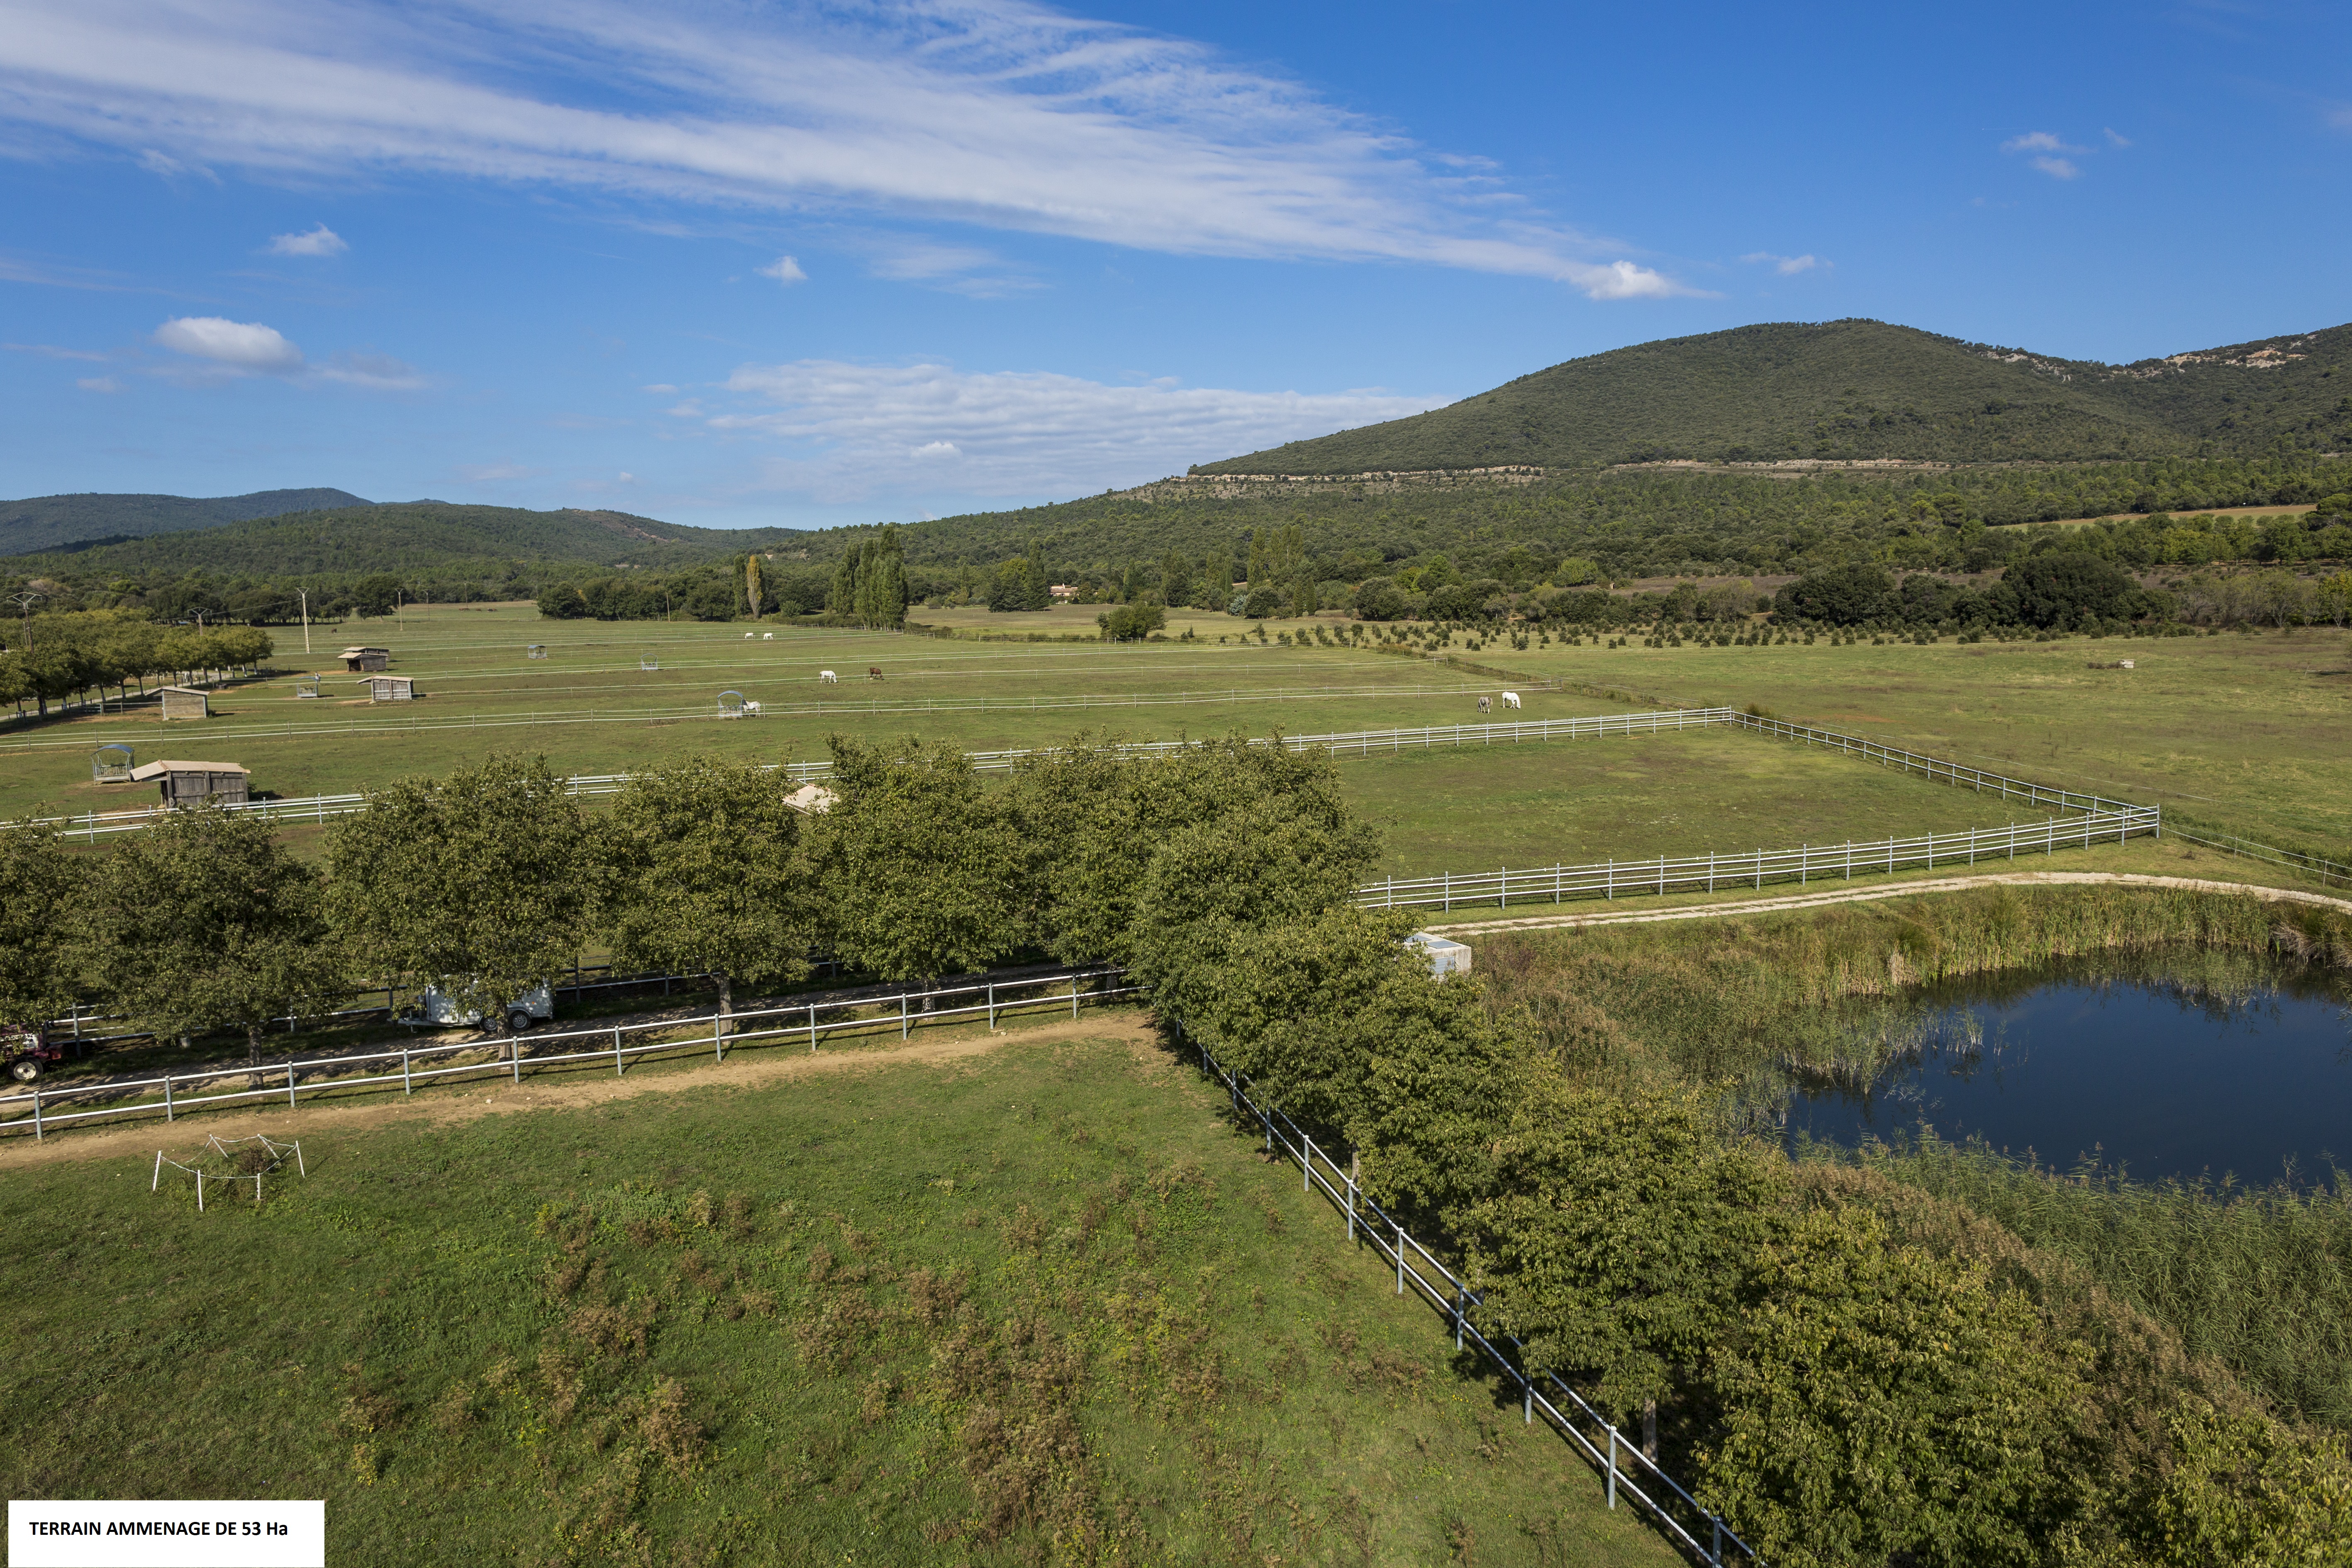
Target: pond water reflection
{"x": 2161, "y": 1078}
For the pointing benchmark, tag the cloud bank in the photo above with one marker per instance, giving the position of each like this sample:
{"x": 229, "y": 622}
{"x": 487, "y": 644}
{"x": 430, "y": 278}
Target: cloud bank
{"x": 848, "y": 432}
{"x": 1011, "y": 116}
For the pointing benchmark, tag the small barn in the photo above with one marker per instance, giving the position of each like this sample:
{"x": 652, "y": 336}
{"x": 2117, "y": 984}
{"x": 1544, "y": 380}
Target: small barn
{"x": 192, "y": 784}
{"x": 362, "y": 659}
{"x": 183, "y": 702}
{"x": 390, "y": 687}
{"x": 111, "y": 764}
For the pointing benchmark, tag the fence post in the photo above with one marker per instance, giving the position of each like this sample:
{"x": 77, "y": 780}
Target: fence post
{"x": 1716, "y": 1556}
{"x": 812, "y": 1028}
{"x": 167, "y": 1097}
{"x": 406, "y": 1088}
{"x": 158, "y": 1177}
{"x": 1612, "y": 1465}
{"x": 289, "y": 1085}
{"x": 1460, "y": 1297}
{"x": 1074, "y": 996}
{"x": 991, "y": 1007}
{"x": 200, "y": 1189}
{"x": 1506, "y": 887}
{"x": 1305, "y": 1163}
{"x": 718, "y": 1045}
{"x": 902, "y": 1014}
{"x": 39, "y": 1134}
{"x": 1398, "y": 1227}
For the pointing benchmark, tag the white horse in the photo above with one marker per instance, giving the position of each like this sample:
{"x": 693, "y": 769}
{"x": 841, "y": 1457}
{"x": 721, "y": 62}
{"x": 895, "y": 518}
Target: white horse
{"x": 767, "y": 637}
{"x": 1510, "y": 700}
{"x": 751, "y": 709}
{"x": 828, "y": 678}
{"x": 1485, "y": 704}
{"x": 747, "y": 636}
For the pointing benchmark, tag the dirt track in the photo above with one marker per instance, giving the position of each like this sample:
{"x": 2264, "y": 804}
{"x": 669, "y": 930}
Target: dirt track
{"x": 569, "y": 1091}
{"x": 1892, "y": 890}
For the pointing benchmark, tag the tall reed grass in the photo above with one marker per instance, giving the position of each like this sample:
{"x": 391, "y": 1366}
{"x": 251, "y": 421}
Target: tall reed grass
{"x": 2259, "y": 1279}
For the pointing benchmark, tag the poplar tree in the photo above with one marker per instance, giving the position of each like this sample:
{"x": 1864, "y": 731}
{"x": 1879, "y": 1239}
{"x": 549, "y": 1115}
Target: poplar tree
{"x": 753, "y": 590}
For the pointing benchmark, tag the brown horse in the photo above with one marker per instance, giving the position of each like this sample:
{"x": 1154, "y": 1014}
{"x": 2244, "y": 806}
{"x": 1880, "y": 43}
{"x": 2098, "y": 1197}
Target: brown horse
{"x": 873, "y": 672}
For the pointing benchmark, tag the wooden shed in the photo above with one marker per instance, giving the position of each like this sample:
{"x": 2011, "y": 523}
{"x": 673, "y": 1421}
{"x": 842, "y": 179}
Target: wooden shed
{"x": 390, "y": 687}
{"x": 361, "y": 659}
{"x": 185, "y": 702}
{"x": 190, "y": 784}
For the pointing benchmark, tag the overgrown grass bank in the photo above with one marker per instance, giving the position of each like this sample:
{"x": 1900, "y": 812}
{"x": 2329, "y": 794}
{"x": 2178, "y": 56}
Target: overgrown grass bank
{"x": 1046, "y": 1308}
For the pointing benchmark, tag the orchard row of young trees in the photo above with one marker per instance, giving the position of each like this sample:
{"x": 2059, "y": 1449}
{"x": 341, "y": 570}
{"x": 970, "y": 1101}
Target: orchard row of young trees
{"x": 59, "y": 657}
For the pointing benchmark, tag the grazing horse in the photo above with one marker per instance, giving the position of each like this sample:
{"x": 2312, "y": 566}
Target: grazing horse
{"x": 747, "y": 636}
{"x": 1485, "y": 704}
{"x": 827, "y": 677}
{"x": 750, "y": 709}
{"x": 767, "y": 637}
{"x": 1510, "y": 700}
{"x": 873, "y": 672}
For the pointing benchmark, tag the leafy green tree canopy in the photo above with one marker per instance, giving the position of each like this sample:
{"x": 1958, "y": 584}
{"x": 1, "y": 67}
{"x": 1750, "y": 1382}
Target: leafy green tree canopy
{"x": 703, "y": 874}
{"x": 205, "y": 923}
{"x": 41, "y": 888}
{"x": 478, "y": 882}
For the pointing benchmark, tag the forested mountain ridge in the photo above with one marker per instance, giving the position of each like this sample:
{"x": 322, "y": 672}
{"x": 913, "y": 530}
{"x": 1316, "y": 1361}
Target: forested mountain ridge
{"x": 431, "y": 542}
{"x": 55, "y": 522}
{"x": 1852, "y": 390}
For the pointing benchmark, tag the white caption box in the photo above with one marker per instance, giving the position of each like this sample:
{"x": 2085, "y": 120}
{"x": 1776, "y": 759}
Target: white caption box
{"x": 182, "y": 1534}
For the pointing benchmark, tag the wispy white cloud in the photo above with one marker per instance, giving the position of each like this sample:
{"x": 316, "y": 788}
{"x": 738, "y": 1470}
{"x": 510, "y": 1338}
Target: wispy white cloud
{"x": 2115, "y": 137}
{"x": 52, "y": 351}
{"x": 786, "y": 270}
{"x": 662, "y": 388}
{"x": 847, "y": 432}
{"x": 222, "y": 348}
{"x": 242, "y": 348}
{"x": 319, "y": 241}
{"x": 484, "y": 473}
{"x": 1786, "y": 266}
{"x": 2050, "y": 153}
{"x": 1010, "y": 115}
{"x": 99, "y": 383}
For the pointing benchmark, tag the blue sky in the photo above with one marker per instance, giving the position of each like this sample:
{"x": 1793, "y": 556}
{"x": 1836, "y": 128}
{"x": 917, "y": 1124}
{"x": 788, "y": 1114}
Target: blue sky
{"x": 747, "y": 264}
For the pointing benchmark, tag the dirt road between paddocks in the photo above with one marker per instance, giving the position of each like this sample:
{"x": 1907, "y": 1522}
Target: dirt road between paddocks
{"x": 748, "y": 1068}
{"x": 1893, "y": 890}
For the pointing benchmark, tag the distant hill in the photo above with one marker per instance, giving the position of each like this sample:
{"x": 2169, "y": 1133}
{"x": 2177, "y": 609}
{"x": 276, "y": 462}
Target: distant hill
{"x": 1859, "y": 389}
{"x": 425, "y": 540}
{"x": 80, "y": 521}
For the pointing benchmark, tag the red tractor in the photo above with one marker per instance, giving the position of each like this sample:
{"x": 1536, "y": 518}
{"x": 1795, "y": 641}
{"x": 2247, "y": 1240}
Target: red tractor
{"x": 25, "y": 1052}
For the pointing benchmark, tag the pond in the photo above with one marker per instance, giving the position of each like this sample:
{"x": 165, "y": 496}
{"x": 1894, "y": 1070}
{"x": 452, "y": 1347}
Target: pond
{"x": 2159, "y": 1078}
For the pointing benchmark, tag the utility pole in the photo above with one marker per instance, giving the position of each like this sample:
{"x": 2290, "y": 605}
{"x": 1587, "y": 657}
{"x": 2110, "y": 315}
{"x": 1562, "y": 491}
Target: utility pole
{"x": 305, "y": 621}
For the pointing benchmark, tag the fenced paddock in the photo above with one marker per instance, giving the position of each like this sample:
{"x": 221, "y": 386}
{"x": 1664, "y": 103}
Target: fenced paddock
{"x": 1624, "y": 1470}
{"x": 618, "y": 1045}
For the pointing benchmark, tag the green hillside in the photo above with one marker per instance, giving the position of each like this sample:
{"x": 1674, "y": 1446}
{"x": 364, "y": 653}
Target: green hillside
{"x": 428, "y": 538}
{"x": 55, "y": 522}
{"x": 1858, "y": 389}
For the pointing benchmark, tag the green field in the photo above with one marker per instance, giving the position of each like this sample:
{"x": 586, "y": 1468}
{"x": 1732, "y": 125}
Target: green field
{"x": 2243, "y": 732}
{"x": 1039, "y": 1303}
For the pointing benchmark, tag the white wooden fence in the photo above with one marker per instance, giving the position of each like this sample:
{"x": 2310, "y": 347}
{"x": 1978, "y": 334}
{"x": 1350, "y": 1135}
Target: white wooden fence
{"x": 1715, "y": 873}
{"x": 171, "y": 1093}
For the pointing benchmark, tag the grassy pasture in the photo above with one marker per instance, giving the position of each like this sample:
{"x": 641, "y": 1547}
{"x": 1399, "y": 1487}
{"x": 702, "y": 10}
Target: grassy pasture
{"x": 941, "y": 1312}
{"x": 2242, "y": 731}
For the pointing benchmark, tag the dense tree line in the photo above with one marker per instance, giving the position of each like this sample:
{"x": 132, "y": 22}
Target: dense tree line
{"x": 59, "y": 657}
{"x": 1844, "y": 1395}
